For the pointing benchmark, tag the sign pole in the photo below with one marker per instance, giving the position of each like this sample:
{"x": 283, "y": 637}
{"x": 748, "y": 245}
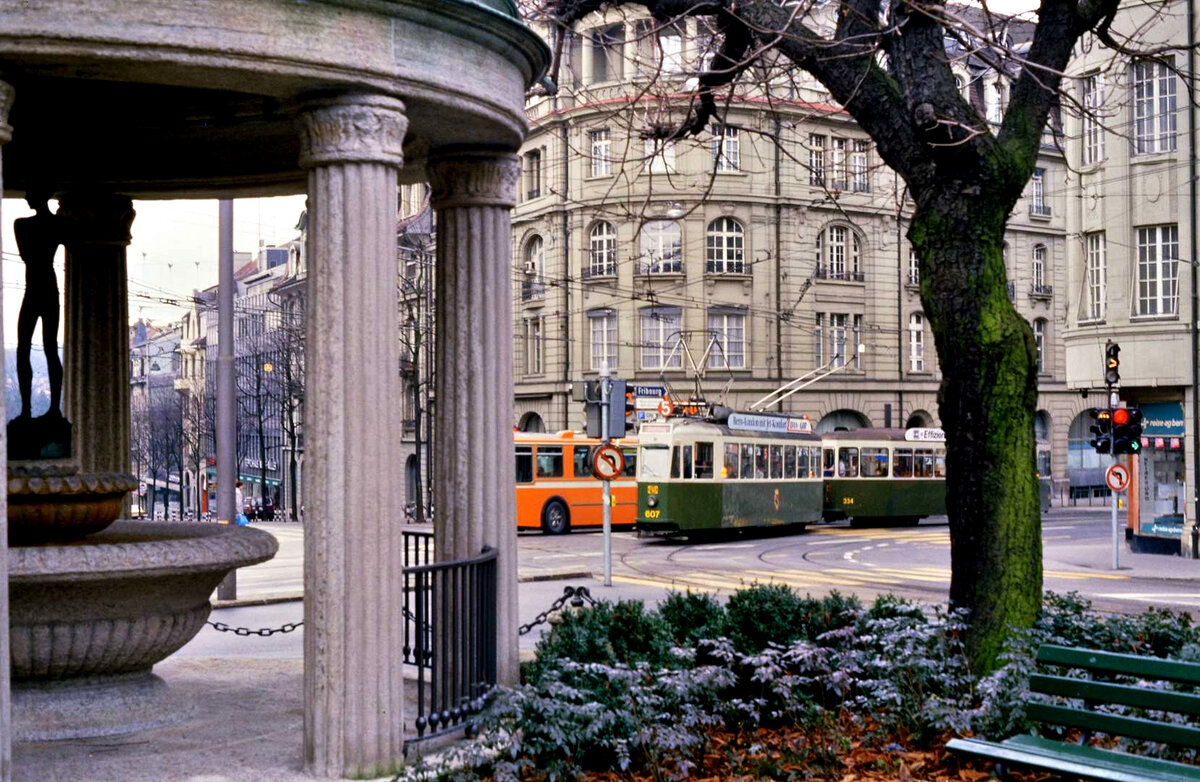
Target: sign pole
{"x": 606, "y": 494}
{"x": 1115, "y": 531}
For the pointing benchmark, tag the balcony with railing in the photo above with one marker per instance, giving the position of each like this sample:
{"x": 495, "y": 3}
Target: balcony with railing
{"x": 1040, "y": 210}
{"x": 913, "y": 280}
{"x": 599, "y": 272}
{"x": 533, "y": 288}
{"x": 1012, "y": 291}
{"x": 449, "y": 634}
{"x": 667, "y": 266}
{"x": 825, "y": 273}
{"x": 1040, "y": 291}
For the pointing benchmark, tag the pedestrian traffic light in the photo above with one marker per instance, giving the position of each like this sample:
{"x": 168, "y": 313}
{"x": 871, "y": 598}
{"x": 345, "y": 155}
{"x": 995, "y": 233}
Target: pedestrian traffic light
{"x": 1127, "y": 430}
{"x": 1102, "y": 428}
{"x": 1112, "y": 364}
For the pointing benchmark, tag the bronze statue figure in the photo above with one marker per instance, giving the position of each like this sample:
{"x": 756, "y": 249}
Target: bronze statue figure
{"x": 38, "y": 238}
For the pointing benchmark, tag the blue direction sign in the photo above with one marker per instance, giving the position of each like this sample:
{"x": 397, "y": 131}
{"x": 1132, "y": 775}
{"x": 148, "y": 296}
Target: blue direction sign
{"x": 658, "y": 392}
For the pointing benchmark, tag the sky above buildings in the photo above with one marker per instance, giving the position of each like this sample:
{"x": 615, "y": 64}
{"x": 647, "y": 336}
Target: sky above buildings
{"x": 173, "y": 252}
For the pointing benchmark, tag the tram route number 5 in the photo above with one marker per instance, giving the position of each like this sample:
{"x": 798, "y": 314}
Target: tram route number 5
{"x": 1117, "y": 477}
{"x": 608, "y": 463}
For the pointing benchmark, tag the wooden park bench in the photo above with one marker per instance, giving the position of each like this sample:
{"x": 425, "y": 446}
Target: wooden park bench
{"x": 1087, "y": 762}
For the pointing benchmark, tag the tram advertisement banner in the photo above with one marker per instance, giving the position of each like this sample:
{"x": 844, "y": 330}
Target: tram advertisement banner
{"x": 768, "y": 423}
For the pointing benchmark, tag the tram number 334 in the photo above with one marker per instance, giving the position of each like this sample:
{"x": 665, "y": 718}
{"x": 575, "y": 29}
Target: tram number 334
{"x": 847, "y": 500}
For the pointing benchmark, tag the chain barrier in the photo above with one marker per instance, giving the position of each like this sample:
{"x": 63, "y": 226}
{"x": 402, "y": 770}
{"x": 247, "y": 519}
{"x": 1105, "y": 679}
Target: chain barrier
{"x": 265, "y": 632}
{"x": 577, "y": 596}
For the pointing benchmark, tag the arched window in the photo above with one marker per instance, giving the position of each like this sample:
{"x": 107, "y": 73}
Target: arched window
{"x": 1039, "y": 337}
{"x": 839, "y": 254}
{"x": 1039, "y": 267}
{"x": 916, "y": 342}
{"x": 603, "y": 250}
{"x": 662, "y": 248}
{"x": 533, "y": 286}
{"x": 726, "y": 247}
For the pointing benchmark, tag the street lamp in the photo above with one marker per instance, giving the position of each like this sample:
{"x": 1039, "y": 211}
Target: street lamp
{"x": 268, "y": 366}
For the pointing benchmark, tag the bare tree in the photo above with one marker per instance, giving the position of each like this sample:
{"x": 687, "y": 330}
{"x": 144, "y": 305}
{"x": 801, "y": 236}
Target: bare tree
{"x": 891, "y": 67}
{"x": 287, "y": 389}
{"x": 164, "y": 447}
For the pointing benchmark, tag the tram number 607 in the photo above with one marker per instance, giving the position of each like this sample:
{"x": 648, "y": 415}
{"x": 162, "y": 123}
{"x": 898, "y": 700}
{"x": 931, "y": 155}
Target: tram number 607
{"x": 652, "y": 514}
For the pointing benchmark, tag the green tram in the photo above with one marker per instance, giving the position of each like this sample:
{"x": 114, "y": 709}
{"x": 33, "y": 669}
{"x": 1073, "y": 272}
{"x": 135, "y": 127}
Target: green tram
{"x": 700, "y": 477}
{"x": 884, "y": 476}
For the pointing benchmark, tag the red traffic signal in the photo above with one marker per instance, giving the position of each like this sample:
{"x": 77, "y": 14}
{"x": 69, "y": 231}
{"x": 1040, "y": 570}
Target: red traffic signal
{"x": 1120, "y": 416}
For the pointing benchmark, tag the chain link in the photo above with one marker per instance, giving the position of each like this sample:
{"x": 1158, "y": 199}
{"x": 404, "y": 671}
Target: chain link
{"x": 265, "y": 632}
{"x": 576, "y": 595}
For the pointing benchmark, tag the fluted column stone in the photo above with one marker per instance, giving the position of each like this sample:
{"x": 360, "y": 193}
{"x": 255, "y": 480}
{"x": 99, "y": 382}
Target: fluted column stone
{"x": 474, "y": 492}
{"x": 6, "y": 98}
{"x": 353, "y": 565}
{"x": 96, "y": 334}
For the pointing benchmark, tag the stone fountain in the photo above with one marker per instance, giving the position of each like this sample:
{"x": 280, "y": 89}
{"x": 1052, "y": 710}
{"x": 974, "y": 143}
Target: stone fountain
{"x": 94, "y": 602}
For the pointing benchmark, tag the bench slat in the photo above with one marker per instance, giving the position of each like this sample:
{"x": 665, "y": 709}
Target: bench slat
{"x": 1115, "y": 725}
{"x": 1060, "y": 757}
{"x": 1112, "y": 662}
{"x": 1124, "y": 694}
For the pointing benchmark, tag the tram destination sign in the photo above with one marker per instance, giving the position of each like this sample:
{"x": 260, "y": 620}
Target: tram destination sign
{"x": 657, "y": 392}
{"x": 924, "y": 435}
{"x": 769, "y": 423}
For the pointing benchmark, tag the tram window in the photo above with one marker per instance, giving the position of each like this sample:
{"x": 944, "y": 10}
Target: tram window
{"x": 802, "y": 463}
{"x": 655, "y": 462}
{"x": 847, "y": 462}
{"x": 789, "y": 462}
{"x": 747, "y": 461}
{"x": 687, "y": 462}
{"x": 675, "y": 462}
{"x": 923, "y": 464}
{"x": 875, "y": 462}
{"x": 939, "y": 464}
{"x": 704, "y": 460}
{"x": 583, "y": 461}
{"x": 550, "y": 461}
{"x": 630, "y": 462}
{"x": 760, "y": 461}
{"x": 524, "y": 464}
{"x": 903, "y": 468}
{"x": 776, "y": 462}
{"x": 829, "y": 461}
{"x": 730, "y": 470}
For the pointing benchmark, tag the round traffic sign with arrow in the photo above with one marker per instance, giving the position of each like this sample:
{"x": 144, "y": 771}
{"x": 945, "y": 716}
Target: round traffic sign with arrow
{"x": 608, "y": 463}
{"x": 1117, "y": 477}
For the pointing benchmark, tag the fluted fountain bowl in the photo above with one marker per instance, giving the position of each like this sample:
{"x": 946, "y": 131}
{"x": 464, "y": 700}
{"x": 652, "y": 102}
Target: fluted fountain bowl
{"x": 95, "y": 615}
{"x": 52, "y": 503}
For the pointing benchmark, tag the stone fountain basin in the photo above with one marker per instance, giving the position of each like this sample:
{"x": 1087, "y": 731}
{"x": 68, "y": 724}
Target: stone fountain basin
{"x": 122, "y": 599}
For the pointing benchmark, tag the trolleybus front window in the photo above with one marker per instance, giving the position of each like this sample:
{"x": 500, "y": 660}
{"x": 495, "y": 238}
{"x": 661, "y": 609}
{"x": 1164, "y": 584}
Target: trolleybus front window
{"x": 656, "y": 462}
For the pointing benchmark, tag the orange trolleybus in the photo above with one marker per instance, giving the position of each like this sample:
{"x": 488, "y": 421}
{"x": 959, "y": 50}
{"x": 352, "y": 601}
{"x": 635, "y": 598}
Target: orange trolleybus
{"x": 556, "y": 490}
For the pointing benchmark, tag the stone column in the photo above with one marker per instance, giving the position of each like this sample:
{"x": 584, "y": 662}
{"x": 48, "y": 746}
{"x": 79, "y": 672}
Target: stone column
{"x": 353, "y": 564}
{"x": 6, "y": 98}
{"x": 96, "y": 330}
{"x": 474, "y": 492}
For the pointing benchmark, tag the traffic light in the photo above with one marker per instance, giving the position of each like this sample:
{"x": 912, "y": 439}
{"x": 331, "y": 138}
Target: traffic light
{"x": 1102, "y": 442}
{"x": 1112, "y": 364}
{"x": 1127, "y": 430}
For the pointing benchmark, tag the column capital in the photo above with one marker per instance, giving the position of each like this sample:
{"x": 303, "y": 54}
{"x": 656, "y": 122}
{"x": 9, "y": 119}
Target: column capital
{"x": 353, "y": 129}
{"x": 97, "y": 218}
{"x": 6, "y": 100}
{"x": 474, "y": 179}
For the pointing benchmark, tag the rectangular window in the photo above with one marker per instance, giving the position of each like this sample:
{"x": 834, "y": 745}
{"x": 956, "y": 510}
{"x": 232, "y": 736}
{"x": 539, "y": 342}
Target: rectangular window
{"x": 914, "y": 267}
{"x": 816, "y": 160}
{"x": 549, "y": 461}
{"x": 837, "y": 338}
{"x": 1039, "y": 340}
{"x": 533, "y": 345}
{"x": 923, "y": 464}
{"x": 1037, "y": 203}
{"x": 857, "y": 340}
{"x": 1153, "y": 107}
{"x": 582, "y": 461}
{"x": 660, "y": 156}
{"x": 916, "y": 342}
{"x": 875, "y": 462}
{"x": 903, "y": 468}
{"x": 806, "y": 460}
{"x": 601, "y": 142}
{"x": 660, "y": 336}
{"x": 1092, "y": 89}
{"x": 604, "y": 339}
{"x": 828, "y": 461}
{"x": 524, "y": 464}
{"x": 730, "y": 468}
{"x": 760, "y": 462}
{"x": 1158, "y": 270}
{"x": 860, "y": 180}
{"x": 747, "y": 461}
{"x": 726, "y": 148}
{"x": 1096, "y": 276}
{"x": 819, "y": 340}
{"x": 1039, "y": 268}
{"x": 533, "y": 174}
{"x": 704, "y": 460}
{"x": 776, "y": 462}
{"x": 841, "y": 180}
{"x": 837, "y": 252}
{"x": 789, "y": 462}
{"x": 607, "y": 49}
{"x": 729, "y": 329}
{"x": 847, "y": 463}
